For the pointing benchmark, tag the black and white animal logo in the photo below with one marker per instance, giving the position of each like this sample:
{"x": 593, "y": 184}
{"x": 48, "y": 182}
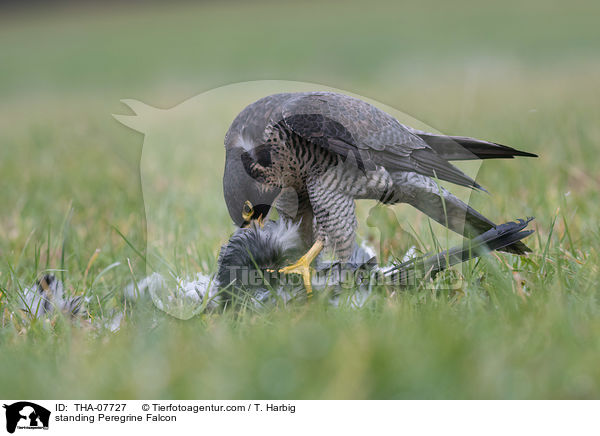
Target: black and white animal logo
{"x": 26, "y": 415}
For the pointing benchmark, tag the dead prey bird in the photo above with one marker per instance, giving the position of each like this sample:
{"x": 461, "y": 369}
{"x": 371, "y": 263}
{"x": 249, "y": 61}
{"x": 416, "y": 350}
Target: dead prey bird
{"x": 310, "y": 155}
{"x": 250, "y": 261}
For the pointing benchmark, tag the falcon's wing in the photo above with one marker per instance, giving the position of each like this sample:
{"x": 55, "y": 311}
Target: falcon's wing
{"x": 353, "y": 128}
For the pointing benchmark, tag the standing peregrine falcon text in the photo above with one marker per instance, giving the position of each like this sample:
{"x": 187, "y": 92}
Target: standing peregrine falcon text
{"x": 310, "y": 155}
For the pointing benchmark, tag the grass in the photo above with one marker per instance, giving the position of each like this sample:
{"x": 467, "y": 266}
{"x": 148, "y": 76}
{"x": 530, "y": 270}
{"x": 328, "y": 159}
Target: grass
{"x": 521, "y": 74}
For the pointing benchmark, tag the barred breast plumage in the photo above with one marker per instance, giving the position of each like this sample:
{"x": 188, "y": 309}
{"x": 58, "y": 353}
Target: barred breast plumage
{"x": 325, "y": 187}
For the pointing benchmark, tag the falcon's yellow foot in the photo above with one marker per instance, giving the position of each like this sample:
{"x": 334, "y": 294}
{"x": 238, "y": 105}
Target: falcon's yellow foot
{"x": 303, "y": 266}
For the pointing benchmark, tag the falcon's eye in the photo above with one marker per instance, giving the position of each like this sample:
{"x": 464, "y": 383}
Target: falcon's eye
{"x": 247, "y": 211}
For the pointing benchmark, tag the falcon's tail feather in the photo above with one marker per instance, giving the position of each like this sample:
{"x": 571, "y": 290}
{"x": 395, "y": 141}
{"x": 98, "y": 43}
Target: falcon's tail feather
{"x": 465, "y": 148}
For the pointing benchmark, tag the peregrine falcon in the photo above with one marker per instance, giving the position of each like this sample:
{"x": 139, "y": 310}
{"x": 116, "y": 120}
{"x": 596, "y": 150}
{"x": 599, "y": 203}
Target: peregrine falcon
{"x": 310, "y": 155}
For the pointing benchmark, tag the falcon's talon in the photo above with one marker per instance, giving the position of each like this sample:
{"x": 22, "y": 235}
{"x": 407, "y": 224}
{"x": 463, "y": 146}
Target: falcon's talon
{"x": 302, "y": 266}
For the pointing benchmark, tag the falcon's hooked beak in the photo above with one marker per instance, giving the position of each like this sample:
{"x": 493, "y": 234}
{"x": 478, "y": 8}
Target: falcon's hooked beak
{"x": 251, "y": 213}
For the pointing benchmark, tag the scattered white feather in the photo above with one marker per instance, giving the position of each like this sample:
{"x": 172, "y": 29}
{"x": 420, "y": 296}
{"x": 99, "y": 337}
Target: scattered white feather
{"x": 182, "y": 298}
{"x": 411, "y": 253}
{"x": 47, "y": 297}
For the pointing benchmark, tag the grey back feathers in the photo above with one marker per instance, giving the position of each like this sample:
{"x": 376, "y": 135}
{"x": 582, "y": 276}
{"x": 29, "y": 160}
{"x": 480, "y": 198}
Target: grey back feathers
{"x": 346, "y": 126}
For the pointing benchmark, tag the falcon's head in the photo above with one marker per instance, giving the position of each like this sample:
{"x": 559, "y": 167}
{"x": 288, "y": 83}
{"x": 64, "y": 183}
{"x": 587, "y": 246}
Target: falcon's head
{"x": 247, "y": 197}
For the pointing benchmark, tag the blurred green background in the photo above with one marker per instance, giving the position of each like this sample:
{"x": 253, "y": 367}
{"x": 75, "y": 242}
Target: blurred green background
{"x": 520, "y": 73}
